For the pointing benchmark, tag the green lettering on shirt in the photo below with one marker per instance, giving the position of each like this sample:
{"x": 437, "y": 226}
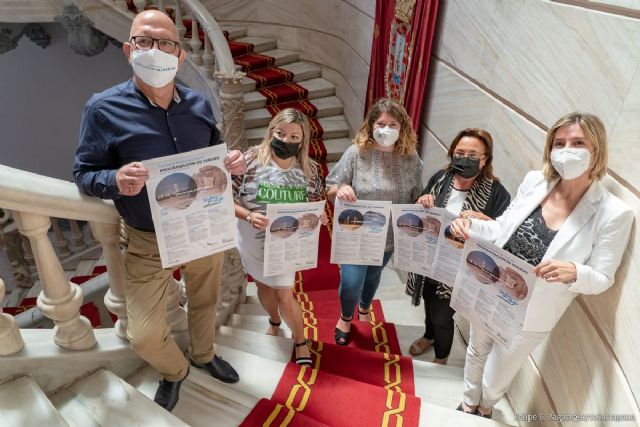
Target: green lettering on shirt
{"x": 277, "y": 193}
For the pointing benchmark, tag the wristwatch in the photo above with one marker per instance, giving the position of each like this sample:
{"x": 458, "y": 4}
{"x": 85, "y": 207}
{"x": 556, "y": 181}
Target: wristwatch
{"x": 249, "y": 219}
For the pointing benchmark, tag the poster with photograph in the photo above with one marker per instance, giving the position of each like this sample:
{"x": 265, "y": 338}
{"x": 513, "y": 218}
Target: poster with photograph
{"x": 291, "y": 240}
{"x": 191, "y": 204}
{"x": 448, "y": 255}
{"x": 493, "y": 288}
{"x": 359, "y": 232}
{"x": 416, "y": 235}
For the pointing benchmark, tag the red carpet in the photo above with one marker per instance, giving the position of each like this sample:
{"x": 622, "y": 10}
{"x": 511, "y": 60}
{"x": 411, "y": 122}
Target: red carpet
{"x": 302, "y": 105}
{"x": 270, "y": 76}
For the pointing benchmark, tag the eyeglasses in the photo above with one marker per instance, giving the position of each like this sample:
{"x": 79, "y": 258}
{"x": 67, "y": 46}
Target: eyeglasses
{"x": 473, "y": 155}
{"x": 146, "y": 43}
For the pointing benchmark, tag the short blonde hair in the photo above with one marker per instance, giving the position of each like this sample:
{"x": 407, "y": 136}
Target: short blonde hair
{"x": 595, "y": 133}
{"x": 407, "y": 140}
{"x": 283, "y": 118}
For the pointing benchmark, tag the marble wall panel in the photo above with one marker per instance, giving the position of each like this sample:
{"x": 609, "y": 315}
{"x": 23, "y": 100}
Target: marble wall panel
{"x": 456, "y": 103}
{"x": 627, "y": 4}
{"x": 581, "y": 375}
{"x": 241, "y": 10}
{"x": 624, "y": 147}
{"x": 549, "y": 58}
{"x": 432, "y": 152}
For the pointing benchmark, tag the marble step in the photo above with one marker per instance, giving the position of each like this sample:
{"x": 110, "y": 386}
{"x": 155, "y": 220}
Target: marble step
{"x": 327, "y": 106}
{"x": 334, "y": 127}
{"x": 259, "y": 376}
{"x": 104, "y": 399}
{"x": 437, "y": 384}
{"x": 235, "y": 32}
{"x": 24, "y": 404}
{"x": 282, "y": 56}
{"x": 301, "y": 70}
{"x": 317, "y": 88}
{"x": 200, "y": 402}
{"x": 260, "y": 44}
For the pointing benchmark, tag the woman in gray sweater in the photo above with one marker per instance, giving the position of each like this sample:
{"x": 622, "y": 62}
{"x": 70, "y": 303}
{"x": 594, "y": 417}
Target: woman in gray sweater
{"x": 382, "y": 164}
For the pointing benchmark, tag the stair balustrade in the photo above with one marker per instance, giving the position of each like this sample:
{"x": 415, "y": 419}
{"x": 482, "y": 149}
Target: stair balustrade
{"x": 10, "y": 338}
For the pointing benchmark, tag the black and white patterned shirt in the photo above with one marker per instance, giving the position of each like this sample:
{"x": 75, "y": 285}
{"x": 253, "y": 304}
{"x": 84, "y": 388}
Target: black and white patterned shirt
{"x": 531, "y": 239}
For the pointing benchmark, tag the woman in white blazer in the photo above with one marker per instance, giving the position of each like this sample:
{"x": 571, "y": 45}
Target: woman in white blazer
{"x": 567, "y": 224}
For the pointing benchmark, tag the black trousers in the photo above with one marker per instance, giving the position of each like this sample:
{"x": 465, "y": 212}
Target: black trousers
{"x": 438, "y": 320}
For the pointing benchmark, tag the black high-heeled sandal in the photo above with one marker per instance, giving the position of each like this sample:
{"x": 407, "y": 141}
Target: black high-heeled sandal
{"x": 342, "y": 338}
{"x": 305, "y": 360}
{"x": 275, "y": 324}
{"x": 363, "y": 313}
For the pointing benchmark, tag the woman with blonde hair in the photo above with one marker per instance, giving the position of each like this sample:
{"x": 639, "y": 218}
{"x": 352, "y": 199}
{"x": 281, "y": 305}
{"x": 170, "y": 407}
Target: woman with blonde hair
{"x": 382, "y": 164}
{"x": 570, "y": 227}
{"x": 279, "y": 170}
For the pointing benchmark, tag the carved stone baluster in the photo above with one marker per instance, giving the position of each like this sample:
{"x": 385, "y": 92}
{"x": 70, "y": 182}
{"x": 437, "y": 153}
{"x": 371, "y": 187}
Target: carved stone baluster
{"x": 62, "y": 244}
{"x": 195, "y": 43}
{"x": 140, "y": 4}
{"x": 15, "y": 253}
{"x": 177, "y": 316}
{"x": 180, "y": 24}
{"x": 10, "y": 338}
{"x": 109, "y": 236}
{"x": 160, "y": 5}
{"x": 207, "y": 57}
{"x": 28, "y": 255}
{"x": 232, "y": 106}
{"x": 59, "y": 300}
{"x": 77, "y": 236}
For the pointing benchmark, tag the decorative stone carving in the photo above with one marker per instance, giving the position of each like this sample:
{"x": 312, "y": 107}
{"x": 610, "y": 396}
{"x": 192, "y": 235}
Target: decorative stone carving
{"x": 232, "y": 107}
{"x": 10, "y": 339}
{"x": 83, "y": 38}
{"x": 35, "y": 32}
{"x": 11, "y": 239}
{"x": 109, "y": 237}
{"x": 60, "y": 300}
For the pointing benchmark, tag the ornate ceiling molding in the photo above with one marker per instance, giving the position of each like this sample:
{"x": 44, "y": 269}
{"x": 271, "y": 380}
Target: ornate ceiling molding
{"x": 34, "y": 32}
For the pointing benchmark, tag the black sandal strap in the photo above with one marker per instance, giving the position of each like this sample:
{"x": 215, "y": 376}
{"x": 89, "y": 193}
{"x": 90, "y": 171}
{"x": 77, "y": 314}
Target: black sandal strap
{"x": 301, "y": 343}
{"x": 364, "y": 313}
{"x": 276, "y": 324}
{"x": 346, "y": 320}
{"x": 304, "y": 361}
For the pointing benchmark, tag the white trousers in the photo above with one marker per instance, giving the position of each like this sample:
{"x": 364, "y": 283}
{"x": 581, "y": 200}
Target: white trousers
{"x": 491, "y": 366}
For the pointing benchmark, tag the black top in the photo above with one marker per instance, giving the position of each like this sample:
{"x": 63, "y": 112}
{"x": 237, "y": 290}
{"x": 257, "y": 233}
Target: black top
{"x": 531, "y": 239}
{"x": 120, "y": 126}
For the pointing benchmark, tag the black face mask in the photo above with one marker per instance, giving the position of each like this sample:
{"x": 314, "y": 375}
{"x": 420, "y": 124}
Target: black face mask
{"x": 465, "y": 167}
{"x": 284, "y": 150}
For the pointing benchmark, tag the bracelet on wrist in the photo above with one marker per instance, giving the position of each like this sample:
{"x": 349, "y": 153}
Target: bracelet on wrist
{"x": 249, "y": 218}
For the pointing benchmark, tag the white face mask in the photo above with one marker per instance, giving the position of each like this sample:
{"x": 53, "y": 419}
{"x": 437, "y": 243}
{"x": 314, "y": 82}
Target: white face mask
{"x": 386, "y": 136}
{"x": 570, "y": 163}
{"x": 154, "y": 67}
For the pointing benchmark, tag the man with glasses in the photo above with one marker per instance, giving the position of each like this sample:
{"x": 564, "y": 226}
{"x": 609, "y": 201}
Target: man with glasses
{"x": 146, "y": 117}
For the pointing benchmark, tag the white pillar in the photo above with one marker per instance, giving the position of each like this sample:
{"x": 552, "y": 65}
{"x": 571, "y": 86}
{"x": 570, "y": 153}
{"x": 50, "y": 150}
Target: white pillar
{"x": 180, "y": 24}
{"x": 109, "y": 235}
{"x": 10, "y": 338}
{"x": 77, "y": 236}
{"x": 195, "y": 43}
{"x": 62, "y": 244}
{"x": 207, "y": 57}
{"x": 59, "y": 300}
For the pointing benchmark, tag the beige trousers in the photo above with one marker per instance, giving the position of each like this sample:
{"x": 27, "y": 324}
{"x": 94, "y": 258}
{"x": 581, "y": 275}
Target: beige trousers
{"x": 146, "y": 290}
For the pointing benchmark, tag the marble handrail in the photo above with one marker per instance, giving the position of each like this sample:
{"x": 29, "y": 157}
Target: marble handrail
{"x": 224, "y": 60}
{"x": 29, "y": 192}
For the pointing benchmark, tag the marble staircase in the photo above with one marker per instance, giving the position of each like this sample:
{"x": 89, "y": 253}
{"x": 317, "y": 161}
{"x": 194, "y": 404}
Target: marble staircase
{"x": 337, "y": 131}
{"x": 120, "y": 392}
